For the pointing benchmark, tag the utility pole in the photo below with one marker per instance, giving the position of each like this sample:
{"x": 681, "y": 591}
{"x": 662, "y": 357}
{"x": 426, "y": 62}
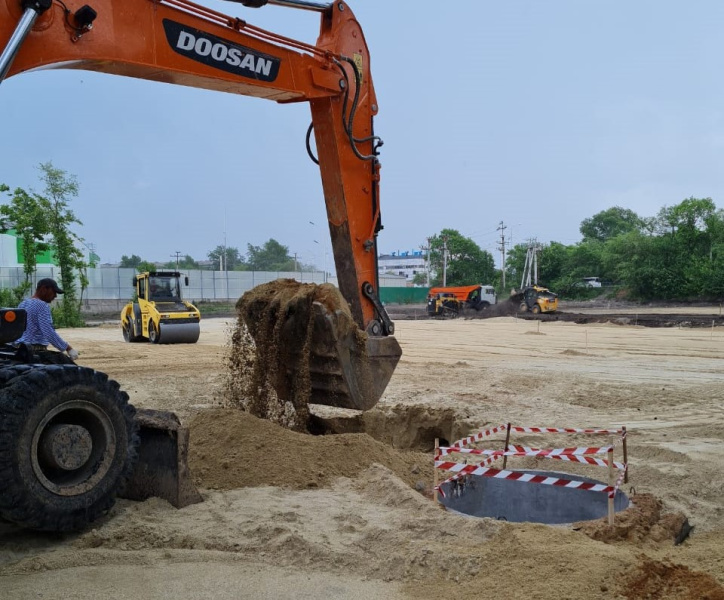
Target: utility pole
{"x": 444, "y": 260}
{"x": 295, "y": 261}
{"x": 501, "y": 229}
{"x": 223, "y": 259}
{"x": 426, "y": 250}
{"x": 176, "y": 254}
{"x": 530, "y": 269}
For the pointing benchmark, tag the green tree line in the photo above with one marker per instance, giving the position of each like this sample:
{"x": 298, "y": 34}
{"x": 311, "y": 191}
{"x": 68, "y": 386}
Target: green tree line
{"x": 270, "y": 256}
{"x": 676, "y": 255}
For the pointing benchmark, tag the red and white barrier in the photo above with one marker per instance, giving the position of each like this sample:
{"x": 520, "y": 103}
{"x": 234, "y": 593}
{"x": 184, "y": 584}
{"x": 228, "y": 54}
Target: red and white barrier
{"x": 585, "y": 455}
{"x": 566, "y": 430}
{"x": 479, "y": 436}
{"x": 461, "y": 469}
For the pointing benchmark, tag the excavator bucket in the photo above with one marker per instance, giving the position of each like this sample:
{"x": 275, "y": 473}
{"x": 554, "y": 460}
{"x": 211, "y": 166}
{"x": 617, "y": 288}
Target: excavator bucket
{"x": 310, "y": 350}
{"x": 162, "y": 468}
{"x": 347, "y": 368}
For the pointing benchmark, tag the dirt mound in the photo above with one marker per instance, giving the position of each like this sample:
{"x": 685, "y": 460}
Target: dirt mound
{"x": 644, "y": 520}
{"x": 232, "y": 449}
{"x": 271, "y": 348}
{"x": 654, "y": 579}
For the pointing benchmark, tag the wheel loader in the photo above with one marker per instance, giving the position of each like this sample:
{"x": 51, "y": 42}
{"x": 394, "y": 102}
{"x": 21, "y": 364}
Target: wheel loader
{"x": 159, "y": 314}
{"x": 68, "y": 437}
{"x": 70, "y": 441}
{"x": 537, "y": 299}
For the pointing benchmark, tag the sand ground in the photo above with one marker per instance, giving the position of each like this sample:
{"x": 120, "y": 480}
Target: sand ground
{"x": 287, "y": 515}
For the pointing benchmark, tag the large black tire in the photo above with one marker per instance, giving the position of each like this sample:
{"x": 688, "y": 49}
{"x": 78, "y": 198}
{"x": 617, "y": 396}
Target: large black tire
{"x": 68, "y": 443}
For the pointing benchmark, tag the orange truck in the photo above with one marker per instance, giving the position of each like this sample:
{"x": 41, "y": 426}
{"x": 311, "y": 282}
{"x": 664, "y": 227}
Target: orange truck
{"x": 452, "y": 300}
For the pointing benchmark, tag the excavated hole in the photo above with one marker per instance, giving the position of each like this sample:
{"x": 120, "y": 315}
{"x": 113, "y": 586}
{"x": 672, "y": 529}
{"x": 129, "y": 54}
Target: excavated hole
{"x": 402, "y": 427}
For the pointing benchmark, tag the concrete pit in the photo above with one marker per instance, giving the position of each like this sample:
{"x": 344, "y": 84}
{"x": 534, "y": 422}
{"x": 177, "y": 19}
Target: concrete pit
{"x": 518, "y": 501}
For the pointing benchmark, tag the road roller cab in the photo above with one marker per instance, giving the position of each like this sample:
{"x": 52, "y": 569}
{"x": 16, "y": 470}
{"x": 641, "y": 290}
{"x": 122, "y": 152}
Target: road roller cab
{"x": 158, "y": 313}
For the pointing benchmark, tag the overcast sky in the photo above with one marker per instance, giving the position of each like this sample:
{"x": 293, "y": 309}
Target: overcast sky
{"x": 536, "y": 114}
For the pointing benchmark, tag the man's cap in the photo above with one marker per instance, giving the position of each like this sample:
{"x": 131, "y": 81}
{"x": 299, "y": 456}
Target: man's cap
{"x": 49, "y": 283}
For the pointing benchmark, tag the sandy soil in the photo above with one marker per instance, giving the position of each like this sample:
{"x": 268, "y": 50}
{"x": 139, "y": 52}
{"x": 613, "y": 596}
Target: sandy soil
{"x": 289, "y": 515}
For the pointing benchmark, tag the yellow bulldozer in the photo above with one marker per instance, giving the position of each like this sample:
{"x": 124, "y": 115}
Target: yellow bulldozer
{"x": 158, "y": 313}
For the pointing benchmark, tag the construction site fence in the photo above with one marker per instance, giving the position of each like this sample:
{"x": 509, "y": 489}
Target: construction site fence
{"x": 403, "y": 295}
{"x": 110, "y": 288}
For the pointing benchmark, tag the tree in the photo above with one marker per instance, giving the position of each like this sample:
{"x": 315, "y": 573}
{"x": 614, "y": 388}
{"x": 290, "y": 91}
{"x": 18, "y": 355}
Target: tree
{"x": 146, "y": 266}
{"x": 187, "y": 262}
{"x": 689, "y": 216}
{"x": 130, "y": 262}
{"x": 466, "y": 262}
{"x": 610, "y": 223}
{"x": 272, "y": 256}
{"x": 26, "y": 214}
{"x": 60, "y": 188}
{"x": 227, "y": 257}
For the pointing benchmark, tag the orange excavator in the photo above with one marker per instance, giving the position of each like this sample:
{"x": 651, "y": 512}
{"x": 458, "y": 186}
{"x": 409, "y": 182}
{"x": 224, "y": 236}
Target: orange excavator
{"x": 183, "y": 43}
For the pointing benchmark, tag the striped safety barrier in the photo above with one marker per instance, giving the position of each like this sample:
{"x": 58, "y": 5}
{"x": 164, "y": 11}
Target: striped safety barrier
{"x": 522, "y": 451}
{"x": 584, "y": 455}
{"x": 565, "y": 430}
{"x": 479, "y": 436}
{"x": 531, "y": 451}
{"x": 461, "y": 469}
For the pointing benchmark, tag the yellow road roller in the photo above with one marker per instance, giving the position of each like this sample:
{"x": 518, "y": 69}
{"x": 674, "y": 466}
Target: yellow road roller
{"x": 158, "y": 314}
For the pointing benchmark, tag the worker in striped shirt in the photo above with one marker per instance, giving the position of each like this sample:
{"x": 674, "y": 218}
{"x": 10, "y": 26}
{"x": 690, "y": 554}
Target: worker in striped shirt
{"x": 39, "y": 330}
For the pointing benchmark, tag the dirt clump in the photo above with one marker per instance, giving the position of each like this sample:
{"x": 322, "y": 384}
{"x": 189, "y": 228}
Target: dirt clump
{"x": 653, "y": 579}
{"x": 644, "y": 520}
{"x": 271, "y": 349}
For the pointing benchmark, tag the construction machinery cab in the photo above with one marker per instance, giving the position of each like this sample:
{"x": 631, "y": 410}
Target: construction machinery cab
{"x": 160, "y": 287}
{"x": 537, "y": 299}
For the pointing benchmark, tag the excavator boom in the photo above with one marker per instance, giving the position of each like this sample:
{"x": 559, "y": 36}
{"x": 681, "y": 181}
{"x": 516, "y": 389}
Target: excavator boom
{"x": 183, "y": 43}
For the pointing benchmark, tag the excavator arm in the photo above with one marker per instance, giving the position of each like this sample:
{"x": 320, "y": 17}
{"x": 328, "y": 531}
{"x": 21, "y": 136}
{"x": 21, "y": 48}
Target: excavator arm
{"x": 179, "y": 42}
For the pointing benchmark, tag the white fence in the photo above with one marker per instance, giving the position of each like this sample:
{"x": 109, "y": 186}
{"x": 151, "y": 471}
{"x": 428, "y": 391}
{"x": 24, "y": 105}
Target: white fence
{"x": 111, "y": 288}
